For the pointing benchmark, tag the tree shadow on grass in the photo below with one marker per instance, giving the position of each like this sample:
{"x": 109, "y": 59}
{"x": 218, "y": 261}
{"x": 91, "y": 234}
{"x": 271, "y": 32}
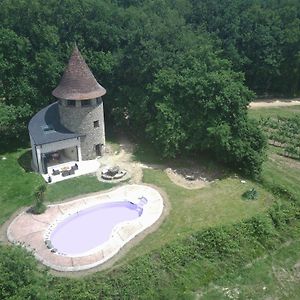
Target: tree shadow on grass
{"x": 11, "y": 145}
{"x": 25, "y": 161}
{"x": 199, "y": 165}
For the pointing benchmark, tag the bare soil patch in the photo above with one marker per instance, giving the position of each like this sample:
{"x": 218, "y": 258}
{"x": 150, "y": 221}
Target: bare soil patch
{"x": 195, "y": 177}
{"x": 181, "y": 181}
{"x": 192, "y": 176}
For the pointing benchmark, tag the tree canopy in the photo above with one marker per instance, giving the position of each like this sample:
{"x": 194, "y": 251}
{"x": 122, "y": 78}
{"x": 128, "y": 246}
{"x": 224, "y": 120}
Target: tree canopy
{"x": 179, "y": 72}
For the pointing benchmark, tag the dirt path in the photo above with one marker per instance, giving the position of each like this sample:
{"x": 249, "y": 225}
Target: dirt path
{"x": 180, "y": 180}
{"x": 124, "y": 159}
{"x": 259, "y": 103}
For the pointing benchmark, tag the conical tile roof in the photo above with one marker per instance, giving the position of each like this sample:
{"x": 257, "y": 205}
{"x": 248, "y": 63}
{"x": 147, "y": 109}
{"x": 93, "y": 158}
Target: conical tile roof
{"x": 78, "y": 82}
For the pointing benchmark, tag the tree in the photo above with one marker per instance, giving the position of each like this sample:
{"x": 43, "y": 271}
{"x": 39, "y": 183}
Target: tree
{"x": 13, "y": 123}
{"x": 201, "y": 105}
{"x": 39, "y": 195}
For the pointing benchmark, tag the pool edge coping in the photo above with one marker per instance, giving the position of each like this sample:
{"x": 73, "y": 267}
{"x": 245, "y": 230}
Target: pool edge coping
{"x": 108, "y": 260}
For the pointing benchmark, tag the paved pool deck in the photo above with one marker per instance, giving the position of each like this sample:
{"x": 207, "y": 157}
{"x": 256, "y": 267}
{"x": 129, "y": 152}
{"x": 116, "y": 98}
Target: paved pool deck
{"x": 31, "y": 230}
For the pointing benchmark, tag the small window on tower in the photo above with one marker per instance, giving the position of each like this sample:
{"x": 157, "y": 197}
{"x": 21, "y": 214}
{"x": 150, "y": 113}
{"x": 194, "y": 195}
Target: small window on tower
{"x": 71, "y": 103}
{"x": 96, "y": 124}
{"x": 86, "y": 103}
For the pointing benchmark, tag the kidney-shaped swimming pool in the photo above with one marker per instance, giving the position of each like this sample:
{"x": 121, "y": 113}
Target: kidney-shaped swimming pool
{"x": 89, "y": 228}
{"x": 86, "y": 232}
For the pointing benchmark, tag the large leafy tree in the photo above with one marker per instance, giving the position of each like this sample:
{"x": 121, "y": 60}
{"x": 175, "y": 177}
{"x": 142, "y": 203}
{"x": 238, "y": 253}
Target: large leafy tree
{"x": 260, "y": 37}
{"x": 201, "y": 104}
{"x": 173, "y": 69}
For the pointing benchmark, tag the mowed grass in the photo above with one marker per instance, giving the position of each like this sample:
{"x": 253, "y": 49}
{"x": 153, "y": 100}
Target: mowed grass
{"x": 272, "y": 112}
{"x": 17, "y": 184}
{"x": 74, "y": 187}
{"x": 282, "y": 172}
{"x": 192, "y": 210}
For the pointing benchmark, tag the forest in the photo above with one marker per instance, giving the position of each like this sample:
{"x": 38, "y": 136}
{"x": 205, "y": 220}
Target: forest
{"x": 179, "y": 73}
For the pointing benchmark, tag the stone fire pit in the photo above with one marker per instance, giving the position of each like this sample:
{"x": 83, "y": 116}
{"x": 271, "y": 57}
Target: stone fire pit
{"x": 111, "y": 173}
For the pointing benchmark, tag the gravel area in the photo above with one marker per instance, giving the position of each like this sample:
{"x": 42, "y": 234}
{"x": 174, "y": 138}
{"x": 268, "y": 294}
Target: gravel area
{"x": 274, "y": 103}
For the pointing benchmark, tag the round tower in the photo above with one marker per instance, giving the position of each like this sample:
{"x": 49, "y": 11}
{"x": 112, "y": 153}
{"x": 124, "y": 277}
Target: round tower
{"x": 81, "y": 107}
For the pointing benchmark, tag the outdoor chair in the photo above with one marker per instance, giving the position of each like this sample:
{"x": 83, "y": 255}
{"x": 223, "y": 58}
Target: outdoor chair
{"x": 55, "y": 172}
{"x": 65, "y": 173}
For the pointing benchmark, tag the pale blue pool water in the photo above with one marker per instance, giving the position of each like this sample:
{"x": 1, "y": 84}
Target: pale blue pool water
{"x": 91, "y": 227}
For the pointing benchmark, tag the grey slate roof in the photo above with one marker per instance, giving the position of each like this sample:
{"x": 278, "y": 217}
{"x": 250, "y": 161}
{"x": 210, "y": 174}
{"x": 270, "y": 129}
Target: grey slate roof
{"x": 45, "y": 127}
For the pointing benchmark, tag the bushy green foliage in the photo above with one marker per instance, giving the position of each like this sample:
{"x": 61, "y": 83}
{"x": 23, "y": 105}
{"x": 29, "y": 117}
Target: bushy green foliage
{"x": 261, "y": 38}
{"x": 201, "y": 106}
{"x": 13, "y": 123}
{"x": 20, "y": 278}
{"x": 173, "y": 69}
{"x": 283, "y": 213}
{"x": 242, "y": 147}
{"x": 250, "y": 194}
{"x": 39, "y": 194}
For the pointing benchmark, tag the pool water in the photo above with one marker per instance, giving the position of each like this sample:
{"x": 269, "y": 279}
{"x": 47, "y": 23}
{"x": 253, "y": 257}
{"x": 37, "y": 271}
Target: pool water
{"x": 89, "y": 228}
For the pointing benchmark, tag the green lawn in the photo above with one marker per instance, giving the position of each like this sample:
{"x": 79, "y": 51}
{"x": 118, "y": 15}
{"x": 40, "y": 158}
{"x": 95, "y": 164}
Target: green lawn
{"x": 17, "y": 184}
{"x": 193, "y": 210}
{"x": 273, "y": 276}
{"x": 281, "y": 171}
{"x": 74, "y": 187}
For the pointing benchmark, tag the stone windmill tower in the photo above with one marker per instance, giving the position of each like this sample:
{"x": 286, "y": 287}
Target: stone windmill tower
{"x": 80, "y": 106}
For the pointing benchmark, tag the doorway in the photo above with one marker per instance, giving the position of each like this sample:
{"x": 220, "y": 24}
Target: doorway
{"x": 98, "y": 149}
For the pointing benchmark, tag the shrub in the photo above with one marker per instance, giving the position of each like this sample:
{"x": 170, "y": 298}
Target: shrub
{"x": 283, "y": 213}
{"x": 250, "y": 194}
{"x": 39, "y": 195}
{"x": 19, "y": 277}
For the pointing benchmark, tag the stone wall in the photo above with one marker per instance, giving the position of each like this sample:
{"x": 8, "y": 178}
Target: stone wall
{"x": 81, "y": 120}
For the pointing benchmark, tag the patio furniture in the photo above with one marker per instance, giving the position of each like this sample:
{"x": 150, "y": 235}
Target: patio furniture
{"x": 55, "y": 172}
{"x": 65, "y": 173}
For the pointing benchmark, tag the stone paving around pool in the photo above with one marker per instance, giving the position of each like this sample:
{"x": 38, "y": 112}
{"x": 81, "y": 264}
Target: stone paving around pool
{"x": 31, "y": 230}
